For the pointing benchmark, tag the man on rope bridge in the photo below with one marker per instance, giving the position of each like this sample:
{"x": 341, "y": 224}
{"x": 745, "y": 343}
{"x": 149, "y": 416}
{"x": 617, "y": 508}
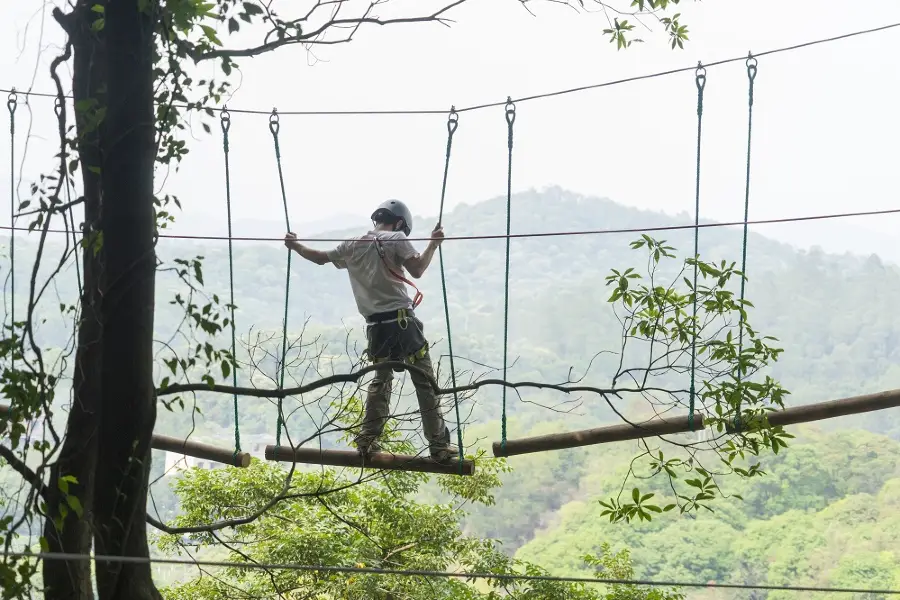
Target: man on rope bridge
{"x": 375, "y": 263}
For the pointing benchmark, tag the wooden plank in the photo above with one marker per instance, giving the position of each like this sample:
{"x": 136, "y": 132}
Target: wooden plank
{"x": 835, "y": 408}
{"x": 618, "y": 433}
{"x": 199, "y": 450}
{"x": 379, "y": 460}
{"x": 599, "y": 435}
{"x": 189, "y": 448}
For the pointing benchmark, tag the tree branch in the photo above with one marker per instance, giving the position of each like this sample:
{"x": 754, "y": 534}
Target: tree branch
{"x": 309, "y": 38}
{"x": 357, "y": 375}
{"x": 22, "y": 469}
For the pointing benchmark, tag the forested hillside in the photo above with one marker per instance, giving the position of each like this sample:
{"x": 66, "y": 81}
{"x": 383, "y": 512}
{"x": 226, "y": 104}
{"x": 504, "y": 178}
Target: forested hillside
{"x": 827, "y": 510}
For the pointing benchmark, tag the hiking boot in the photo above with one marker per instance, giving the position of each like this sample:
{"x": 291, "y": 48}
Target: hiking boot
{"x": 444, "y": 453}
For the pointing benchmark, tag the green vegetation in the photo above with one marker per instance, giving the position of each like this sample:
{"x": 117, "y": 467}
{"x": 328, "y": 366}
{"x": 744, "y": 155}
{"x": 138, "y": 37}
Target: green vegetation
{"x": 379, "y": 524}
{"x": 824, "y": 513}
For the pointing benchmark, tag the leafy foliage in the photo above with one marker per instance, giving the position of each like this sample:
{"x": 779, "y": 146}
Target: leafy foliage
{"x": 377, "y": 525}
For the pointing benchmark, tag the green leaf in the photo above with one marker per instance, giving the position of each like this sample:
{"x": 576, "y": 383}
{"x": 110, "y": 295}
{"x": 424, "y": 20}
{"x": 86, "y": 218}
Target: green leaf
{"x": 252, "y": 9}
{"x": 75, "y": 504}
{"x": 211, "y": 34}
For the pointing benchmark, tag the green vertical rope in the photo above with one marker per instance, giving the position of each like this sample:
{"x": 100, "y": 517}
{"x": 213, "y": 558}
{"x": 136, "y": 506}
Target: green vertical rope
{"x": 751, "y": 76}
{"x": 11, "y": 104}
{"x": 510, "y": 119}
{"x": 700, "y": 80}
{"x": 274, "y": 127}
{"x": 452, "y": 124}
{"x": 225, "y": 120}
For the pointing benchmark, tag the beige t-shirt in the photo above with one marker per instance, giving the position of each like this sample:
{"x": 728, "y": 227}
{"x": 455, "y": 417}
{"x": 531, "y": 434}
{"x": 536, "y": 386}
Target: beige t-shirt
{"x": 375, "y": 289}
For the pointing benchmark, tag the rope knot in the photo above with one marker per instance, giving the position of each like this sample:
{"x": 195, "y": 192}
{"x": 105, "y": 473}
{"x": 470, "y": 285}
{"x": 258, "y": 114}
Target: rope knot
{"x": 274, "y": 122}
{"x": 58, "y": 106}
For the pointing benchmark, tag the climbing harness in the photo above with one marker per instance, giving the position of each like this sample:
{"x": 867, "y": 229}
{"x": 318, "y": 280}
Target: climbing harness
{"x": 417, "y": 299}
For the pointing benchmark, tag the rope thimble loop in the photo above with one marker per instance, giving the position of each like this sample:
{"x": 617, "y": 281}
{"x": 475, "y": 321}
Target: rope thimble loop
{"x": 12, "y": 101}
{"x": 510, "y": 111}
{"x": 751, "y": 66}
{"x": 751, "y": 73}
{"x": 701, "y": 85}
{"x": 510, "y": 119}
{"x": 274, "y": 122}
{"x": 452, "y": 120}
{"x": 700, "y": 76}
{"x": 225, "y": 119}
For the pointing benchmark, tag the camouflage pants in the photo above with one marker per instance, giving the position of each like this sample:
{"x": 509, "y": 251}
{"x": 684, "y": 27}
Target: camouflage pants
{"x": 391, "y": 341}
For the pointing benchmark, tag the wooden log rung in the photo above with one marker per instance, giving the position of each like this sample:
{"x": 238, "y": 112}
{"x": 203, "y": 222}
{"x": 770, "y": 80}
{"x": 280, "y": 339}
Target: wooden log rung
{"x": 599, "y": 435}
{"x": 240, "y": 460}
{"x": 379, "y": 460}
{"x": 618, "y": 433}
{"x": 188, "y": 448}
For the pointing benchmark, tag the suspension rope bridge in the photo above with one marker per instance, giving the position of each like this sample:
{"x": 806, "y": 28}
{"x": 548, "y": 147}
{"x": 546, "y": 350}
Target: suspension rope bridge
{"x": 505, "y": 447}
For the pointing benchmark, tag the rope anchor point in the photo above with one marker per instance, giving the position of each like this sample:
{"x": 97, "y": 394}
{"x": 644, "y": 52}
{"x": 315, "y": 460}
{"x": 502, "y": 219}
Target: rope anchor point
{"x": 274, "y": 122}
{"x": 452, "y": 120}
{"x": 751, "y": 65}
{"x": 225, "y": 119}
{"x": 700, "y": 76}
{"x": 510, "y": 110}
{"x": 12, "y": 101}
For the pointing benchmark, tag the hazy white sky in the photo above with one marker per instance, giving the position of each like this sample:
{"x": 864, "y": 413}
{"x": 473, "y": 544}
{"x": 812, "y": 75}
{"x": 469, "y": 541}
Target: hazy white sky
{"x": 825, "y": 119}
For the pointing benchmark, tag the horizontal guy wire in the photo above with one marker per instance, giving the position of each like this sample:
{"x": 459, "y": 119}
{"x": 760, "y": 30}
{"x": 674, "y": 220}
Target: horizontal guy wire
{"x": 475, "y": 107}
{"x": 869, "y": 213}
{"x": 424, "y": 573}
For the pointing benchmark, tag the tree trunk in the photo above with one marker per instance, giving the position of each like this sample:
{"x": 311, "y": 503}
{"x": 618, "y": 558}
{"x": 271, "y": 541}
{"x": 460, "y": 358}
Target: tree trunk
{"x": 128, "y": 400}
{"x": 78, "y": 455}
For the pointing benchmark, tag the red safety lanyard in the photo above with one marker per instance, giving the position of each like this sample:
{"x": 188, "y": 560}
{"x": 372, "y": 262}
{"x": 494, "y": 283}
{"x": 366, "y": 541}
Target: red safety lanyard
{"x": 417, "y": 299}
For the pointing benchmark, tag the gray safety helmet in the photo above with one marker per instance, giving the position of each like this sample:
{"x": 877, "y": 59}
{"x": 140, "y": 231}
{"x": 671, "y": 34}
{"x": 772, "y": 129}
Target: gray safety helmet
{"x": 396, "y": 209}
